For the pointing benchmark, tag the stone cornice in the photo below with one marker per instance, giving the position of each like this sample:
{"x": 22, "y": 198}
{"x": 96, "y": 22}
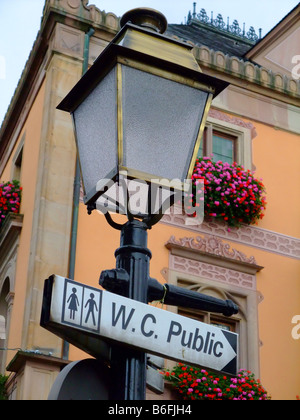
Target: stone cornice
{"x": 82, "y": 11}
{"x": 246, "y": 74}
{"x": 24, "y": 356}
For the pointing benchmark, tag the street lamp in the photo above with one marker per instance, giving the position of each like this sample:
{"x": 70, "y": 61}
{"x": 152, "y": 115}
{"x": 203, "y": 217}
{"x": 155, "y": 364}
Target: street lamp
{"x": 139, "y": 113}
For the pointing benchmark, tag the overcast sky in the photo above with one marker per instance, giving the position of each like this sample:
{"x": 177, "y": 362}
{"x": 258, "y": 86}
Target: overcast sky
{"x": 20, "y": 21}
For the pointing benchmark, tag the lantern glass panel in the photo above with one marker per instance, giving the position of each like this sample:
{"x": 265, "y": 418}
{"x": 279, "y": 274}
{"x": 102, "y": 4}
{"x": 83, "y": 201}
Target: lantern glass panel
{"x": 96, "y": 130}
{"x": 161, "y": 121}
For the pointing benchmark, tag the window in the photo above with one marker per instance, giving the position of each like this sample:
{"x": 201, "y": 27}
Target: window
{"x": 215, "y": 319}
{"x": 17, "y": 161}
{"x": 220, "y": 145}
{"x": 227, "y": 142}
{"x": 204, "y": 265}
{"x": 219, "y": 321}
{"x": 244, "y": 323}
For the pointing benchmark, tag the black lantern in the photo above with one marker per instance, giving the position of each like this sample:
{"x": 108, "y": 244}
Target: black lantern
{"x": 140, "y": 111}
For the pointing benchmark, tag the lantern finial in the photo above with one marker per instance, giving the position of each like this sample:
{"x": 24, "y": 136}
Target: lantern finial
{"x": 147, "y": 18}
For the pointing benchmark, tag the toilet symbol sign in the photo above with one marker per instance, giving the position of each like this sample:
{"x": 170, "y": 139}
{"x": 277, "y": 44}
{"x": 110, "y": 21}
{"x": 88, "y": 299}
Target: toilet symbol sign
{"x": 87, "y": 317}
{"x": 81, "y": 306}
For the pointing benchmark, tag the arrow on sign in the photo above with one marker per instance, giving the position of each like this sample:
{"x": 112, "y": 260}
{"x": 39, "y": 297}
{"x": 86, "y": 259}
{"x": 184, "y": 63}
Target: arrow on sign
{"x": 82, "y": 315}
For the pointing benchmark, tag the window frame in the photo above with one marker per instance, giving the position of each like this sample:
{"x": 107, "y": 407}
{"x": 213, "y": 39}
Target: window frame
{"x": 210, "y": 318}
{"x": 243, "y": 154}
{"x": 204, "y": 265}
{"x": 245, "y": 322}
{"x": 16, "y": 170}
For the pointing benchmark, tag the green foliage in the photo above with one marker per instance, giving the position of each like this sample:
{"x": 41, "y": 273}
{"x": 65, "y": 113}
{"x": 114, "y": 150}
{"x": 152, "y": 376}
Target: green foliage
{"x": 3, "y": 380}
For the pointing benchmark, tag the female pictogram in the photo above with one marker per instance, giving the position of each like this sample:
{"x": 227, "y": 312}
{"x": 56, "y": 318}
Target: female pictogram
{"x": 74, "y": 303}
{"x": 92, "y": 305}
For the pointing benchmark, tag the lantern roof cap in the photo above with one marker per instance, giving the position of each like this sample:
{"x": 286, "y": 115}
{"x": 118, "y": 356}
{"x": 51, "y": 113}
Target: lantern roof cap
{"x": 135, "y": 43}
{"x": 147, "y": 18}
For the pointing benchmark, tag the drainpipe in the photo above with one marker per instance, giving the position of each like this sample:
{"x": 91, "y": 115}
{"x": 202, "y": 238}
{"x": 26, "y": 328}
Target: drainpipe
{"x": 76, "y": 191}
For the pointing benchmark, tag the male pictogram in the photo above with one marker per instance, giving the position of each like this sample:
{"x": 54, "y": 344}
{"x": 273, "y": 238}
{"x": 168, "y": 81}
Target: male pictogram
{"x": 91, "y": 306}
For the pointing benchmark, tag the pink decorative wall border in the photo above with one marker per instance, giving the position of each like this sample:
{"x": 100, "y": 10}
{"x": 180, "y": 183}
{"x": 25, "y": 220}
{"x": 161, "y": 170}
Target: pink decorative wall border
{"x": 212, "y": 272}
{"x": 253, "y": 236}
{"x": 219, "y": 115}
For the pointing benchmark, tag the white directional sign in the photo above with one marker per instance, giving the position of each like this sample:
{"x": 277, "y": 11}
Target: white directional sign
{"x": 102, "y": 314}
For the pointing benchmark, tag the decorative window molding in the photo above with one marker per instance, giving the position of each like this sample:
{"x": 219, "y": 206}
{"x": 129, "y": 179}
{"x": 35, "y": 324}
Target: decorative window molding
{"x": 235, "y": 121}
{"x": 209, "y": 257}
{"x": 236, "y": 127}
{"x": 208, "y": 265}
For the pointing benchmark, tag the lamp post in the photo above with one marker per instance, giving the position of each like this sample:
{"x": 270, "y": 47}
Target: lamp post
{"x": 139, "y": 114}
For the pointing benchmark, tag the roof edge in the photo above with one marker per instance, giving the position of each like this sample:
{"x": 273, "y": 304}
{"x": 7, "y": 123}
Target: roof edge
{"x": 290, "y": 19}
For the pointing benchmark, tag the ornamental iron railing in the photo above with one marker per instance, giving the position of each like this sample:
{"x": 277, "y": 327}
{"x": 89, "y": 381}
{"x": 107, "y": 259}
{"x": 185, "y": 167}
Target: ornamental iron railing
{"x": 219, "y": 24}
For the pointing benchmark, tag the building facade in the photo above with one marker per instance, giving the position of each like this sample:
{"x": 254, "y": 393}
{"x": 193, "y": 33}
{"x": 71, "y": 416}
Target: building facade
{"x": 254, "y": 122}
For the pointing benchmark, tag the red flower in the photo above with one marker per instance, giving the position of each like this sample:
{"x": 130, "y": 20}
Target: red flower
{"x": 10, "y": 198}
{"x": 230, "y": 193}
{"x": 201, "y": 385}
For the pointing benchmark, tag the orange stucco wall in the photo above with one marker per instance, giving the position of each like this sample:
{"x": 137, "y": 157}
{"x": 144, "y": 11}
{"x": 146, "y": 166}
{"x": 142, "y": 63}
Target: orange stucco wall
{"x": 279, "y": 284}
{"x": 276, "y": 157}
{"x": 32, "y": 130}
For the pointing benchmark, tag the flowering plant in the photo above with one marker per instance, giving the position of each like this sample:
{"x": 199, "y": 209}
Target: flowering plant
{"x": 231, "y": 193}
{"x": 198, "y": 384}
{"x": 10, "y": 199}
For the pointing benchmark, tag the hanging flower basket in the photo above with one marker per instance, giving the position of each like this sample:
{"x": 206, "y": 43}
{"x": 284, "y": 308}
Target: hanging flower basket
{"x": 193, "y": 383}
{"x": 10, "y": 199}
{"x": 231, "y": 193}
